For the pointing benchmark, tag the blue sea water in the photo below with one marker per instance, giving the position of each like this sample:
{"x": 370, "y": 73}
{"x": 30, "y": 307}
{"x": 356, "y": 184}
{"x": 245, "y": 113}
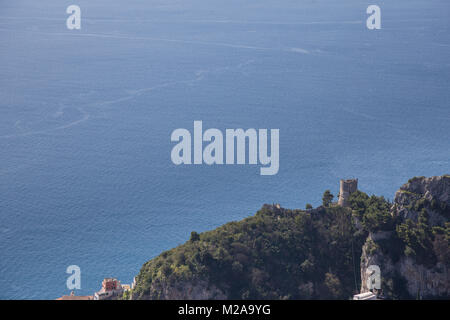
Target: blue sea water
{"x": 86, "y": 116}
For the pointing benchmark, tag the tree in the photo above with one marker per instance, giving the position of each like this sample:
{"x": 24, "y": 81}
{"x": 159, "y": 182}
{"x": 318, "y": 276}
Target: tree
{"x": 358, "y": 202}
{"x": 126, "y": 295}
{"x": 333, "y": 285}
{"x": 418, "y": 238}
{"x": 194, "y": 236}
{"x": 327, "y": 198}
{"x": 308, "y": 206}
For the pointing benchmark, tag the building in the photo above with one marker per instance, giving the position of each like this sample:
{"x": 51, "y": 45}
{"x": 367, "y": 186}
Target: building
{"x": 111, "y": 287}
{"x": 365, "y": 296}
{"x": 347, "y": 187}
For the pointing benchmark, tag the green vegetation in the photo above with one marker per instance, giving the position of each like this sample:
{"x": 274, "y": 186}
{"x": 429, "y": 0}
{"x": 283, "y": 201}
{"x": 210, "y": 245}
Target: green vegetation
{"x": 373, "y": 212}
{"x": 276, "y": 254}
{"x": 304, "y": 254}
{"x": 126, "y": 295}
{"x": 413, "y": 238}
{"x": 415, "y": 179}
{"x": 327, "y": 198}
{"x": 194, "y": 236}
{"x": 425, "y": 244}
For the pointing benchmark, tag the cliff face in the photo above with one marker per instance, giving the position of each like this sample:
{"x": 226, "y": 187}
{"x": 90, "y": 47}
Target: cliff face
{"x": 435, "y": 191}
{"x": 413, "y": 258}
{"x": 186, "y": 290}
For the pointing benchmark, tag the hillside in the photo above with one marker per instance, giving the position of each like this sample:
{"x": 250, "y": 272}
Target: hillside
{"x": 319, "y": 253}
{"x": 413, "y": 253}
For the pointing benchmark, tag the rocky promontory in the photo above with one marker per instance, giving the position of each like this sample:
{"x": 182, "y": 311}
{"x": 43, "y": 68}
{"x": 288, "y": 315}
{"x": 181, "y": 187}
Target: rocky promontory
{"x": 316, "y": 253}
{"x": 415, "y": 255}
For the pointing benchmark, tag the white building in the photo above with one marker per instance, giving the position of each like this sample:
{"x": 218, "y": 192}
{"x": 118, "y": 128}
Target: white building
{"x": 365, "y": 296}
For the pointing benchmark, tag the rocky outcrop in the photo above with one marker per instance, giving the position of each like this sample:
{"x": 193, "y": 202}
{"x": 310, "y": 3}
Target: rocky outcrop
{"x": 434, "y": 190}
{"x": 428, "y": 282}
{"x": 192, "y": 290}
{"x": 397, "y": 269}
{"x": 407, "y": 240}
{"x": 372, "y": 255}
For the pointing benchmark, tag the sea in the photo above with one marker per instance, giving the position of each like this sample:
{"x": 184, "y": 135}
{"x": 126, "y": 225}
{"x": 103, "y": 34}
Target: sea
{"x": 86, "y": 117}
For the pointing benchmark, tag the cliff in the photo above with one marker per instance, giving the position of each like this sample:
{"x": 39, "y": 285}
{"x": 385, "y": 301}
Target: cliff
{"x": 320, "y": 253}
{"x": 414, "y": 257}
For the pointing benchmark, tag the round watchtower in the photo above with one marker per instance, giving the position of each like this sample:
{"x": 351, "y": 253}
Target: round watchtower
{"x": 347, "y": 187}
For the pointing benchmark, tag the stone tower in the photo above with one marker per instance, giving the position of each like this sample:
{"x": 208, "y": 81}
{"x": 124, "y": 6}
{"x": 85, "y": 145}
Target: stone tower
{"x": 347, "y": 187}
